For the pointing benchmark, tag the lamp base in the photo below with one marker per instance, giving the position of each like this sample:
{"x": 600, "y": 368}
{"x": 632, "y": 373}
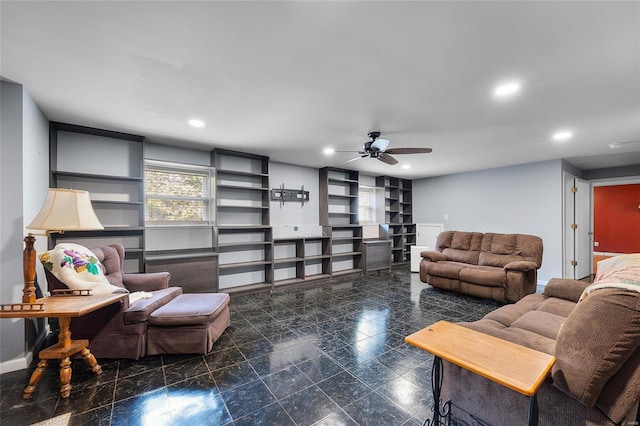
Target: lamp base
{"x": 29, "y": 270}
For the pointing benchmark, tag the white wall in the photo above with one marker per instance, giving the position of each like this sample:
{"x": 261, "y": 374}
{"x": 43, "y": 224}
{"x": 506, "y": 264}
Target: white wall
{"x": 524, "y": 199}
{"x": 24, "y": 179}
{"x": 294, "y": 177}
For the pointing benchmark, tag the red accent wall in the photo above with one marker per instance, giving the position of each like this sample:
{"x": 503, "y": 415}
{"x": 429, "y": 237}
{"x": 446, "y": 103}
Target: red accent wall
{"x": 616, "y": 218}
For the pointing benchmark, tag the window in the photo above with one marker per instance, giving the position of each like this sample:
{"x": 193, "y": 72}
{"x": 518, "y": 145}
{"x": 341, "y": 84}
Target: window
{"x": 176, "y": 194}
{"x": 367, "y": 204}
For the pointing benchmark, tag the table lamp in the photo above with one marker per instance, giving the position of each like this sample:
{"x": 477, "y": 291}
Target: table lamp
{"x": 63, "y": 210}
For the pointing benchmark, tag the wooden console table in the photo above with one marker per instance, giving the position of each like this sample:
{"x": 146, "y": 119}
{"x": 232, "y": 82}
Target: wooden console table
{"x": 64, "y": 308}
{"x": 485, "y": 355}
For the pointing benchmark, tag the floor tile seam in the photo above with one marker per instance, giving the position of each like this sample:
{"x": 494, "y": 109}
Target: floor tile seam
{"x": 398, "y": 406}
{"x": 91, "y": 409}
{"x": 164, "y": 388}
{"x": 385, "y": 398}
{"x": 329, "y": 415}
{"x": 331, "y": 399}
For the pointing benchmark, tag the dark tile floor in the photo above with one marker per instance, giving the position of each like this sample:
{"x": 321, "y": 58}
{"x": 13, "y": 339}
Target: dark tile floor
{"x": 330, "y": 354}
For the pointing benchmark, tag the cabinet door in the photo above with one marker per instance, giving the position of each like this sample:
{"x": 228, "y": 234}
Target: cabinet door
{"x": 428, "y": 234}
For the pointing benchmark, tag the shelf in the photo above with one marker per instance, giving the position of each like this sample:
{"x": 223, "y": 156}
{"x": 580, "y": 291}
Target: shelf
{"x": 288, "y": 281}
{"x": 317, "y": 257}
{"x": 227, "y": 207}
{"x": 317, "y": 277}
{"x": 347, "y": 272}
{"x": 120, "y": 203}
{"x": 240, "y": 173}
{"x": 242, "y": 188}
{"x": 341, "y": 240}
{"x": 242, "y": 265}
{"x": 341, "y": 196}
{"x": 95, "y": 176}
{"x": 347, "y": 254}
{"x": 288, "y": 260}
{"x": 178, "y": 256}
{"x": 342, "y": 181}
{"x": 243, "y": 244}
{"x": 242, "y": 227}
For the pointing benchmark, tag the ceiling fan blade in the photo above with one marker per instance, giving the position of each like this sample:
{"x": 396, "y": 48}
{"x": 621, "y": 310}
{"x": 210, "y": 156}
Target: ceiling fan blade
{"x": 354, "y": 159}
{"x": 409, "y": 151}
{"x": 380, "y": 144}
{"x": 386, "y": 158}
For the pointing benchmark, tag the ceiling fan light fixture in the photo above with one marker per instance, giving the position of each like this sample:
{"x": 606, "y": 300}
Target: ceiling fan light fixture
{"x": 406, "y": 166}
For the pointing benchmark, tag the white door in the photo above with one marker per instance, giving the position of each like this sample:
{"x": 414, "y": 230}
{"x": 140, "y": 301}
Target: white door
{"x": 577, "y": 228}
{"x": 583, "y": 233}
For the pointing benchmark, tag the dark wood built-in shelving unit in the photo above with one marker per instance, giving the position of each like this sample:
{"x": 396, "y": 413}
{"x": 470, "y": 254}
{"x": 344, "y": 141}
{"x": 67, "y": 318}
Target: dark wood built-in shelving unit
{"x": 399, "y": 226}
{"x": 110, "y": 166}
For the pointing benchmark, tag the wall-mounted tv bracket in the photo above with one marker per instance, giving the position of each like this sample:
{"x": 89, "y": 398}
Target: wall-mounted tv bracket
{"x": 283, "y": 195}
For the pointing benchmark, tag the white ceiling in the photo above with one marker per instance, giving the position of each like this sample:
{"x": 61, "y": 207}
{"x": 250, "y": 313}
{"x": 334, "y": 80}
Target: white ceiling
{"x": 286, "y": 79}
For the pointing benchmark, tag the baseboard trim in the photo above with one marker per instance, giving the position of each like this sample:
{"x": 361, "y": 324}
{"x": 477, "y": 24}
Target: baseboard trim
{"x": 16, "y": 363}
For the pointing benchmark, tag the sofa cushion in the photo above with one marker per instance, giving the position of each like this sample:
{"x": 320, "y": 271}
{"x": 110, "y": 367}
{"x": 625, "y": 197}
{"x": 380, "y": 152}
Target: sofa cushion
{"x": 465, "y": 256}
{"x": 483, "y": 275}
{"x": 565, "y": 288}
{"x": 460, "y": 246}
{"x": 140, "y": 310}
{"x": 445, "y": 269}
{"x": 540, "y": 322}
{"x": 610, "y": 319}
{"x": 500, "y": 249}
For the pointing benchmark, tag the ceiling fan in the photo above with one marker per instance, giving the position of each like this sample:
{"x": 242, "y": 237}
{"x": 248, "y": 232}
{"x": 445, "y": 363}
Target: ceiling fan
{"x": 377, "y": 148}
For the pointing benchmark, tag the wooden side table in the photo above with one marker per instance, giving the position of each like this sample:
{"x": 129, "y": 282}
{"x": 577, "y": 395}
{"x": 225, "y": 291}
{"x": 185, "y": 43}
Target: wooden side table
{"x": 64, "y": 308}
{"x": 477, "y": 352}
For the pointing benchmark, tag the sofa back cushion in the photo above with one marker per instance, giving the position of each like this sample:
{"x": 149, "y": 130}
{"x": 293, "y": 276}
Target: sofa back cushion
{"x": 500, "y": 249}
{"x": 460, "y": 246}
{"x": 597, "y": 342}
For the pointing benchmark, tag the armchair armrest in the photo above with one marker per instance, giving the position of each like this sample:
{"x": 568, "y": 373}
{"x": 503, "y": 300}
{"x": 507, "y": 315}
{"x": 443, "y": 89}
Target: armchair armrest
{"x": 521, "y": 265}
{"x": 146, "y": 282}
{"x": 433, "y": 256}
{"x": 565, "y": 288}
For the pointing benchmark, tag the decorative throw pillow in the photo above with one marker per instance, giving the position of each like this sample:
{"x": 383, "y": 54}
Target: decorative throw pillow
{"x": 77, "y": 267}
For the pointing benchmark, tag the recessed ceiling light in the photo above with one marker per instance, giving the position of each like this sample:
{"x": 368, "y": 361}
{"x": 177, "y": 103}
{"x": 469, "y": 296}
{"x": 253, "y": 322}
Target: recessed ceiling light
{"x": 507, "y": 89}
{"x": 406, "y": 166}
{"x": 328, "y": 151}
{"x": 194, "y": 122}
{"x": 562, "y": 135}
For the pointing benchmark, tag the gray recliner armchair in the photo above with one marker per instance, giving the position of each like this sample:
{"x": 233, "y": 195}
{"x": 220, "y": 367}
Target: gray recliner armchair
{"x": 120, "y": 330}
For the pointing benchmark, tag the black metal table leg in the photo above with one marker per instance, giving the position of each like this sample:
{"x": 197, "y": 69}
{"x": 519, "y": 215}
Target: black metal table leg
{"x": 532, "y": 419}
{"x": 436, "y": 386}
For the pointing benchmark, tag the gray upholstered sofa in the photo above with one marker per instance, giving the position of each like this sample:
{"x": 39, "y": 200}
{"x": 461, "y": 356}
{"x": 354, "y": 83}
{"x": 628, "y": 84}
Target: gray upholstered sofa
{"x": 502, "y": 267}
{"x": 168, "y": 322}
{"x": 596, "y": 377}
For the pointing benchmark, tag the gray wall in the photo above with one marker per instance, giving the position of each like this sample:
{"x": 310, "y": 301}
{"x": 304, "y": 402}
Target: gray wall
{"x": 525, "y": 199}
{"x": 24, "y": 161}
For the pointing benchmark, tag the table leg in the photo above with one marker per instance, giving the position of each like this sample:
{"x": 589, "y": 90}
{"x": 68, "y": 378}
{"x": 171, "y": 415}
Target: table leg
{"x": 436, "y": 385}
{"x": 532, "y": 419}
{"x": 90, "y": 360}
{"x": 65, "y": 377}
{"x": 36, "y": 376}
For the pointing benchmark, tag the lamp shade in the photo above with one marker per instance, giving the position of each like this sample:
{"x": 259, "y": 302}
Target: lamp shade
{"x": 66, "y": 210}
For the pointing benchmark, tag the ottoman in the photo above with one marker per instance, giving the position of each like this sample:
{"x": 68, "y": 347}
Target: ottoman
{"x": 188, "y": 324}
